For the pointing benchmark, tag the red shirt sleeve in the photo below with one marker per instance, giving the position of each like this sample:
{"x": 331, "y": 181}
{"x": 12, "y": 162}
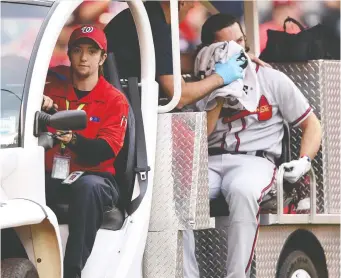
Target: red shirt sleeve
{"x": 114, "y": 126}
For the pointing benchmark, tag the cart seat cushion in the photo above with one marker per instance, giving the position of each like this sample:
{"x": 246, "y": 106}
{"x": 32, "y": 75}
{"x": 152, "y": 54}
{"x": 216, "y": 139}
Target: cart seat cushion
{"x": 219, "y": 207}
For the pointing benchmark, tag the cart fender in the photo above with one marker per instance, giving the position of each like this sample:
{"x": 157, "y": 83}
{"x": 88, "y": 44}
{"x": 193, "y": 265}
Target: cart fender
{"x": 38, "y": 230}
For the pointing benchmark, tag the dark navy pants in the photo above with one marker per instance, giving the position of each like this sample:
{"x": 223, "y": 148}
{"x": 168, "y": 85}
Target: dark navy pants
{"x": 88, "y": 198}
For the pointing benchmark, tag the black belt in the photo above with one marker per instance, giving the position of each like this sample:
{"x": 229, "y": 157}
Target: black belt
{"x": 219, "y": 151}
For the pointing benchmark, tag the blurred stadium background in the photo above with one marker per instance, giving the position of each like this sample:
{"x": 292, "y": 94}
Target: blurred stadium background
{"x": 271, "y": 16}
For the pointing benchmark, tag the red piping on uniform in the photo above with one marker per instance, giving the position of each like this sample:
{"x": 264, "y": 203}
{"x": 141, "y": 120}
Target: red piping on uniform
{"x": 224, "y": 136}
{"x": 300, "y": 118}
{"x": 238, "y": 141}
{"x": 266, "y": 188}
{"x": 237, "y": 136}
{"x": 257, "y": 216}
{"x": 257, "y": 67}
{"x": 253, "y": 249}
{"x": 223, "y": 142}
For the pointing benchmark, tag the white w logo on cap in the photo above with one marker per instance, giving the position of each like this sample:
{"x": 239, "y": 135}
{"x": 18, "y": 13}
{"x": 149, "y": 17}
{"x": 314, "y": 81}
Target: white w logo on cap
{"x": 87, "y": 29}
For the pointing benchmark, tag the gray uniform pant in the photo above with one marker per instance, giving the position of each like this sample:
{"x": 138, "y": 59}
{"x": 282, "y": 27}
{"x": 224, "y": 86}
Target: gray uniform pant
{"x": 243, "y": 180}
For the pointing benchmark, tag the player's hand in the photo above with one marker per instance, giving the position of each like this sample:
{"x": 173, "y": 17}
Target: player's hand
{"x": 296, "y": 169}
{"x": 48, "y": 104}
{"x": 64, "y": 136}
{"x": 231, "y": 70}
{"x": 258, "y": 61}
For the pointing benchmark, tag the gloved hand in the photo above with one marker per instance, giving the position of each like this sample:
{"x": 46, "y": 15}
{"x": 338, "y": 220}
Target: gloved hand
{"x": 231, "y": 70}
{"x": 295, "y": 169}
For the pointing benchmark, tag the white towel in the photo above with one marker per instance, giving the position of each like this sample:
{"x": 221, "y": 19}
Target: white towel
{"x": 245, "y": 90}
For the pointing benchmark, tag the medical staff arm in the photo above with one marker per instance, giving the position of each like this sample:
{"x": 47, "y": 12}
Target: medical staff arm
{"x": 187, "y": 62}
{"x": 191, "y": 92}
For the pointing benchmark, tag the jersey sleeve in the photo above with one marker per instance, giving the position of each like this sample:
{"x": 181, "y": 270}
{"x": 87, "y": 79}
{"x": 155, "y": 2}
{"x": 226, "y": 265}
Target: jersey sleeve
{"x": 293, "y": 105}
{"x": 114, "y": 125}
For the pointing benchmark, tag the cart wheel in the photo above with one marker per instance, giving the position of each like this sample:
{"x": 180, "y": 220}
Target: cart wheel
{"x": 18, "y": 268}
{"x": 297, "y": 265}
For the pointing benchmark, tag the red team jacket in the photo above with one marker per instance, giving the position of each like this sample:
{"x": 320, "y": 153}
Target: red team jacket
{"x": 107, "y": 113}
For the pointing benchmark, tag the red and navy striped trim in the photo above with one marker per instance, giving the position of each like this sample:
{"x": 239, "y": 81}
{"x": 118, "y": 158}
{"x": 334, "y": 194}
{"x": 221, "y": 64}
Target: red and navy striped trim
{"x": 302, "y": 117}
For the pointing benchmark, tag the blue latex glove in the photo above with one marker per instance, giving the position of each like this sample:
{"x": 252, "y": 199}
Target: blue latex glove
{"x": 231, "y": 70}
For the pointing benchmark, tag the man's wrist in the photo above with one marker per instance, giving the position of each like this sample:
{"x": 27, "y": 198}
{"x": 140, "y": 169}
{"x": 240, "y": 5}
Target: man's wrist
{"x": 306, "y": 157}
{"x": 219, "y": 79}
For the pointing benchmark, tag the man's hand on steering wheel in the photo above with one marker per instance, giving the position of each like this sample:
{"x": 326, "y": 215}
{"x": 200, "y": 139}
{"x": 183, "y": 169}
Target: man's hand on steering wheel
{"x": 48, "y": 104}
{"x": 64, "y": 136}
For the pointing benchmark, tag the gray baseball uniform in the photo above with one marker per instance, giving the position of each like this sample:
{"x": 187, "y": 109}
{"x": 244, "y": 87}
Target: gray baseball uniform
{"x": 244, "y": 179}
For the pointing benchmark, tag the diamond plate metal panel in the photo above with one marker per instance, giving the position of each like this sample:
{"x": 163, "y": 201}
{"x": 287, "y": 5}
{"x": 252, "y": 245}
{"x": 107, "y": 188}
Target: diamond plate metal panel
{"x": 331, "y": 106}
{"x": 211, "y": 249}
{"x": 211, "y": 252}
{"x": 306, "y": 77}
{"x": 180, "y": 256}
{"x": 319, "y": 81}
{"x": 163, "y": 255}
{"x": 180, "y": 193}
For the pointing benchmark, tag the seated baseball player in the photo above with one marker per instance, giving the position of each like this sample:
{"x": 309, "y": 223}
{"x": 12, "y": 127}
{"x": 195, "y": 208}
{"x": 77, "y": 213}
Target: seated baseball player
{"x": 243, "y": 146}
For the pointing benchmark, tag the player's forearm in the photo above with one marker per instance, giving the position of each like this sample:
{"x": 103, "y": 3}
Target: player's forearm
{"x": 213, "y": 116}
{"x": 194, "y": 91}
{"x": 311, "y": 136}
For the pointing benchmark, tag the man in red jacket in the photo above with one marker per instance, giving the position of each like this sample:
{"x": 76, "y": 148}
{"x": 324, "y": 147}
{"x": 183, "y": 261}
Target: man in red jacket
{"x": 80, "y": 168}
